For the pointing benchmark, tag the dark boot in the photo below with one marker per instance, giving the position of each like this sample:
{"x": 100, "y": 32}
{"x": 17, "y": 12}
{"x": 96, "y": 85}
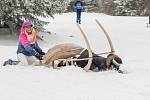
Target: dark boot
{"x": 77, "y": 21}
{"x": 10, "y": 62}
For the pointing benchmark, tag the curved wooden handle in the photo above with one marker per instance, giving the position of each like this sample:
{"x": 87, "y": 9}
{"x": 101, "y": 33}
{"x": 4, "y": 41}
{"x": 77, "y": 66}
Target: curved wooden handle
{"x": 107, "y": 36}
{"x": 87, "y": 67}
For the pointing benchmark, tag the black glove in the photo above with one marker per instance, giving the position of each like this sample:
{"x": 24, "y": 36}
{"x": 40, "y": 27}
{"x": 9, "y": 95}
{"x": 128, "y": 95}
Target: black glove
{"x": 38, "y": 56}
{"x": 42, "y": 53}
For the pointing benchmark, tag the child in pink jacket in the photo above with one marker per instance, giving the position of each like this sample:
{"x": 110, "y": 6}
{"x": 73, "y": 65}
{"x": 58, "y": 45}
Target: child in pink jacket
{"x": 28, "y": 48}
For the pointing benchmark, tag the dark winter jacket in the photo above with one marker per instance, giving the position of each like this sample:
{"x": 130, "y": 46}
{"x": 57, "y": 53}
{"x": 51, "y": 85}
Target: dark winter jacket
{"x": 29, "y": 50}
{"x": 98, "y": 62}
{"x": 78, "y": 5}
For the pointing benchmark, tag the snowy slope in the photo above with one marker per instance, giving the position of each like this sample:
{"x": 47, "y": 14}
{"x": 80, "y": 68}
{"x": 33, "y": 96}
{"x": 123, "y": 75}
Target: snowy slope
{"x": 131, "y": 41}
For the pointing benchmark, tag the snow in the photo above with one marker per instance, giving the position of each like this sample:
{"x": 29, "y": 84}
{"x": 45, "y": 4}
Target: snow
{"x": 130, "y": 37}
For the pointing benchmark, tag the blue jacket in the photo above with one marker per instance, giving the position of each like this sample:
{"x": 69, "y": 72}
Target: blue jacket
{"x": 78, "y": 5}
{"x": 29, "y": 50}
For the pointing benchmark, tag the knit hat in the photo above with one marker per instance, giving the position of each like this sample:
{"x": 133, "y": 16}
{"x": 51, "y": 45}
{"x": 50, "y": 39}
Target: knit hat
{"x": 111, "y": 58}
{"x": 27, "y": 23}
{"x": 116, "y": 61}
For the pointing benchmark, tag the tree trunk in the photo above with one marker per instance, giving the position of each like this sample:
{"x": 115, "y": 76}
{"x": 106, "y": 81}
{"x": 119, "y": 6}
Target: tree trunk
{"x": 12, "y": 27}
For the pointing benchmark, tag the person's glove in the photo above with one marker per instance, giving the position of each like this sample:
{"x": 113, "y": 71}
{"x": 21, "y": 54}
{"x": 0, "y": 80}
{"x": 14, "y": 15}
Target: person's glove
{"x": 38, "y": 56}
{"x": 42, "y": 53}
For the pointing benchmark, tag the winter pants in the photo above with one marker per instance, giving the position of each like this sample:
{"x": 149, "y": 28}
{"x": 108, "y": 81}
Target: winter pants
{"x": 26, "y": 60}
{"x": 78, "y": 20}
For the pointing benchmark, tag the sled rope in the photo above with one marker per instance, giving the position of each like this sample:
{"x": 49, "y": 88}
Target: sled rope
{"x": 76, "y": 59}
{"x": 69, "y": 59}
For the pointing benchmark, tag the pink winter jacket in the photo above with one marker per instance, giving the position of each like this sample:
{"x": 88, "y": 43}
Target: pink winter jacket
{"x": 27, "y": 41}
{"x": 23, "y": 38}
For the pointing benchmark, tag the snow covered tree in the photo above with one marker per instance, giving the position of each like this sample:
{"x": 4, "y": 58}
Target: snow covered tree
{"x": 145, "y": 7}
{"x": 105, "y": 6}
{"x": 131, "y": 7}
{"x": 13, "y": 12}
{"x": 124, "y": 7}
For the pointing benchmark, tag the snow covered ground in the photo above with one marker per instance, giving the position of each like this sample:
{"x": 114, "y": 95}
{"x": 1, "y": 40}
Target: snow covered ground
{"x": 131, "y": 41}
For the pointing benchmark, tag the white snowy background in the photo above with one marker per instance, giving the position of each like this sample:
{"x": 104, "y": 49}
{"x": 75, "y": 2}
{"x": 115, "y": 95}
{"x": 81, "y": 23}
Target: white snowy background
{"x": 131, "y": 40}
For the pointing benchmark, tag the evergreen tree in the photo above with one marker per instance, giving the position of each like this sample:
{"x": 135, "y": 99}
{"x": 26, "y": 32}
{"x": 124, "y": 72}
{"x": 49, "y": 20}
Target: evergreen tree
{"x": 145, "y": 9}
{"x": 105, "y": 6}
{"x": 131, "y": 7}
{"x": 124, "y": 7}
{"x": 13, "y": 12}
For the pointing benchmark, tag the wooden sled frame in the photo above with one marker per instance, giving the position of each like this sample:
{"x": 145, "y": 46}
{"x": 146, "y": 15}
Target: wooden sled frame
{"x": 90, "y": 58}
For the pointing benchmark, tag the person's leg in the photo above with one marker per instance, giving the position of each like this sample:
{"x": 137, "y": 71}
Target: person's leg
{"x": 77, "y": 21}
{"x": 23, "y": 59}
{"x": 32, "y": 60}
{"x": 79, "y": 16}
{"x": 27, "y": 60}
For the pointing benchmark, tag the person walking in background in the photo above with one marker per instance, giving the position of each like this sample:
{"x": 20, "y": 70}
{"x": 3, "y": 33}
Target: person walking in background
{"x": 78, "y": 7}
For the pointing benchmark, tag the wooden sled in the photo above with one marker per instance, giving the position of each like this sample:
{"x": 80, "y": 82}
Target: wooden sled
{"x": 61, "y": 51}
{"x": 69, "y": 50}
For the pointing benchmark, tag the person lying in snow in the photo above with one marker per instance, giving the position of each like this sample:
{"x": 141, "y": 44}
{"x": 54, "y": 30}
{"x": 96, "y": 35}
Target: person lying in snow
{"x": 99, "y": 63}
{"x": 28, "y": 49}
